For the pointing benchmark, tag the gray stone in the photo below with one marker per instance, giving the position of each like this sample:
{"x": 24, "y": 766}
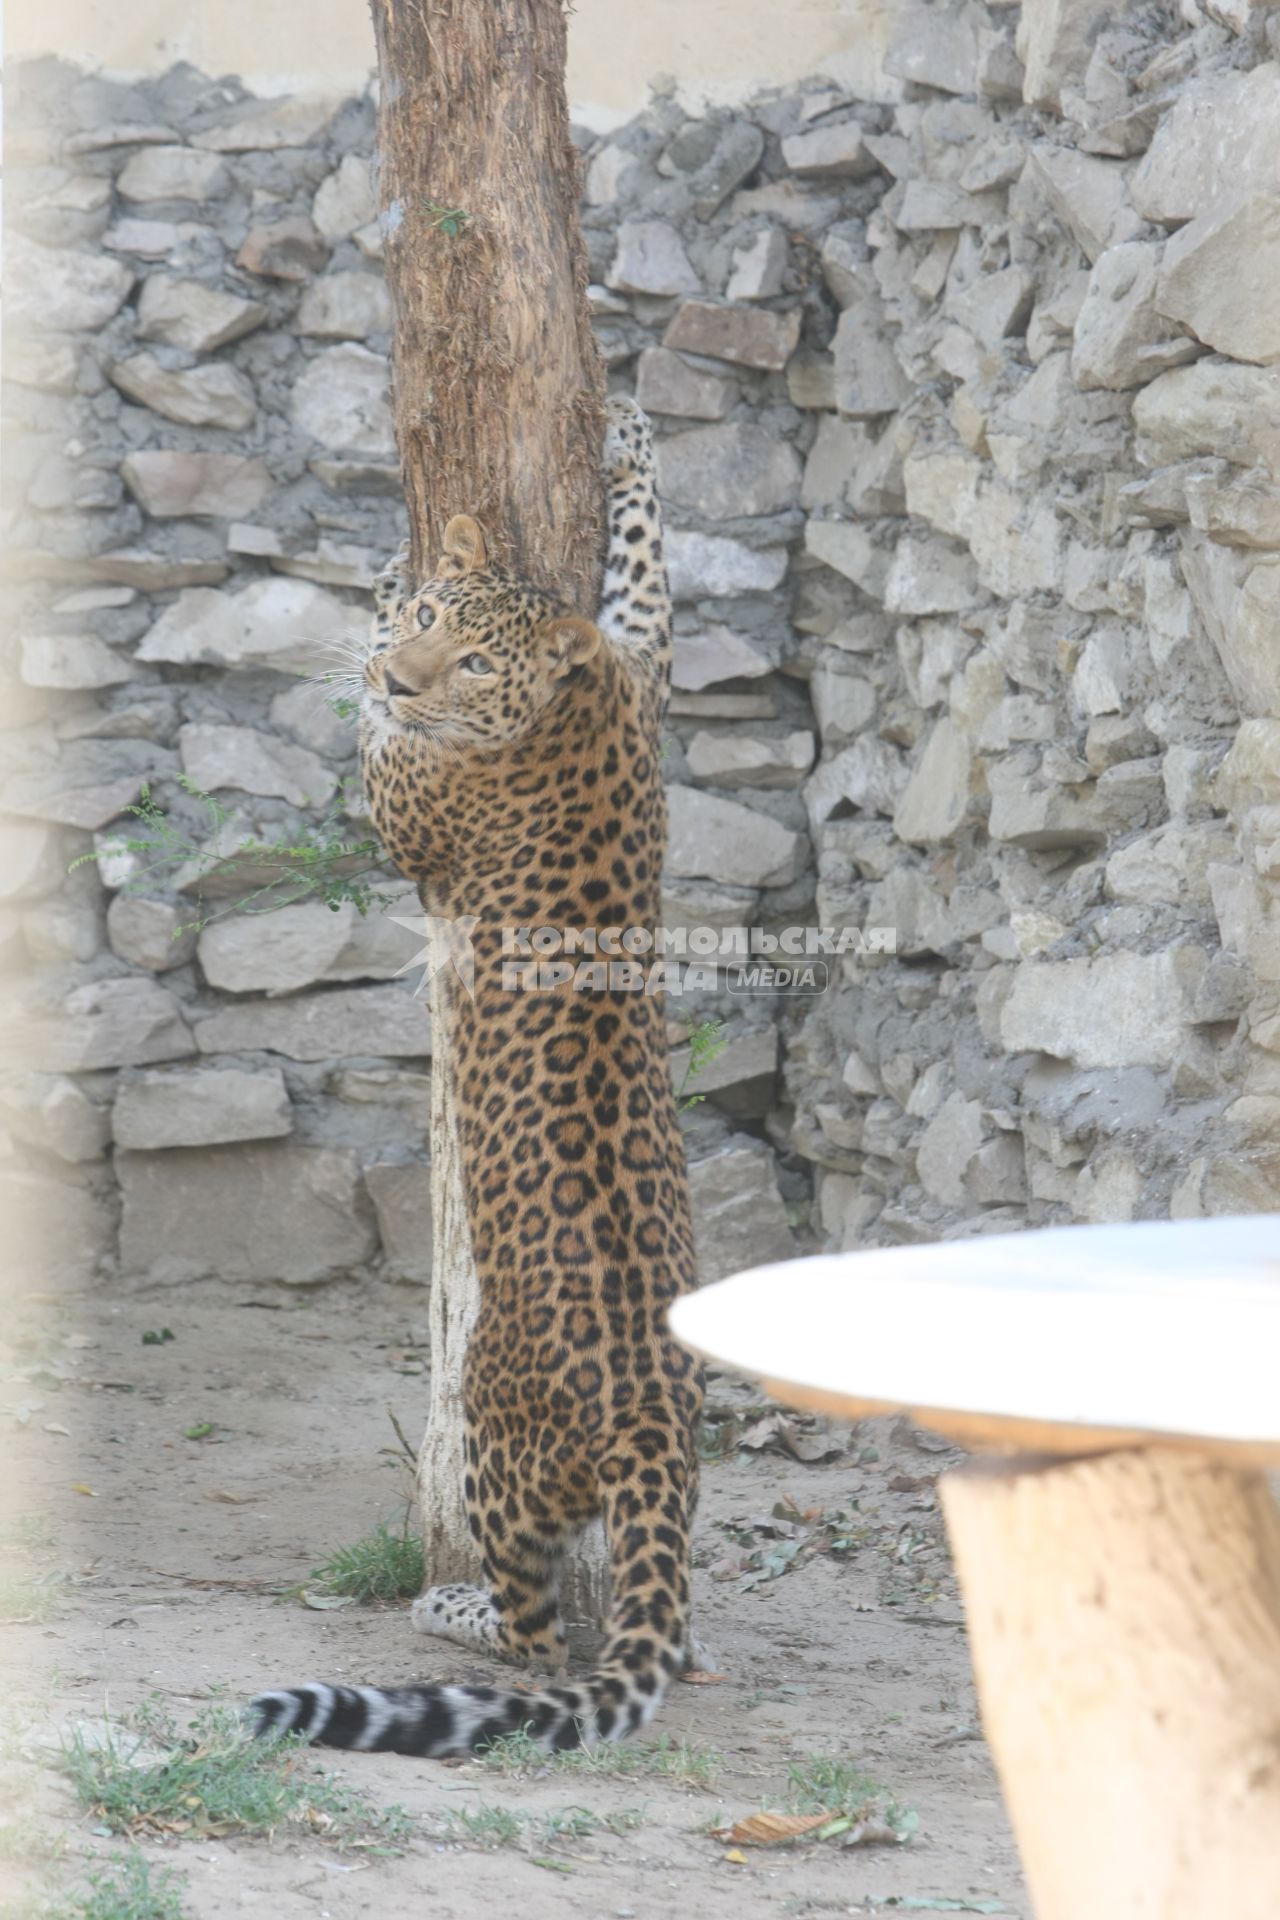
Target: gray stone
{"x": 289, "y": 249}
{"x": 1121, "y": 340}
{"x": 609, "y": 166}
{"x": 305, "y": 712}
{"x": 292, "y": 120}
{"x": 216, "y": 758}
{"x": 735, "y": 156}
{"x": 54, "y": 1114}
{"x": 341, "y": 400}
{"x": 274, "y": 1212}
{"x": 67, "y": 661}
{"x": 30, "y": 860}
{"x": 1038, "y": 817}
{"x": 204, "y": 1107}
{"x": 187, "y": 314}
{"x": 1119, "y": 1010}
{"x": 214, "y": 396}
{"x": 1238, "y": 509}
{"x": 947, "y": 1148}
{"x": 737, "y": 760}
{"x": 995, "y": 305}
{"x": 722, "y": 840}
{"x": 1170, "y": 865}
{"x": 716, "y": 653}
{"x": 936, "y": 798}
{"x": 811, "y": 380}
{"x": 746, "y": 335}
{"x": 360, "y": 476}
{"x": 852, "y": 551}
{"x": 174, "y": 173}
{"x": 1221, "y": 136}
{"x": 667, "y": 384}
{"x": 729, "y": 472}
{"x": 199, "y": 485}
{"x": 286, "y": 624}
{"x": 343, "y": 1022}
{"x": 739, "y": 1220}
{"x": 844, "y": 704}
{"x": 1238, "y": 600}
{"x": 105, "y": 1023}
{"x": 1220, "y": 273}
{"x": 869, "y": 775}
{"x": 275, "y": 953}
{"x": 999, "y": 73}
{"x": 85, "y": 783}
{"x": 60, "y": 288}
{"x": 52, "y": 365}
{"x": 996, "y": 1174}
{"x": 708, "y": 566}
{"x": 345, "y": 306}
{"x": 152, "y": 239}
{"x": 401, "y": 1195}
{"x": 345, "y": 200}
{"x": 834, "y": 151}
{"x": 1054, "y": 44}
{"x": 869, "y": 378}
{"x": 651, "y": 259}
{"x": 931, "y": 575}
{"x": 332, "y": 564}
{"x": 936, "y": 206}
{"x": 933, "y": 47}
{"x": 1213, "y": 407}
{"x": 758, "y": 267}
{"x": 744, "y": 1057}
{"x": 123, "y": 133}
{"x": 150, "y": 933}
{"x": 1089, "y": 196}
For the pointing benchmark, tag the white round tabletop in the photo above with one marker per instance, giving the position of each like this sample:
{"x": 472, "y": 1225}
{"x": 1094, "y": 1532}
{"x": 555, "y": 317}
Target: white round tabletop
{"x": 1065, "y": 1339}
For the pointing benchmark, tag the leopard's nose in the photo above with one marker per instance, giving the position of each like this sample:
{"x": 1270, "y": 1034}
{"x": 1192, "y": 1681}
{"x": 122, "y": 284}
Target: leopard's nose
{"x": 393, "y": 685}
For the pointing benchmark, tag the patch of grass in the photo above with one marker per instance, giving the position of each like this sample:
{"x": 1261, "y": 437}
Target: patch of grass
{"x": 384, "y": 1566}
{"x": 129, "y": 1887}
{"x": 491, "y": 1827}
{"x": 30, "y": 1596}
{"x": 860, "y": 1809}
{"x": 678, "y": 1761}
{"x": 215, "y": 1780}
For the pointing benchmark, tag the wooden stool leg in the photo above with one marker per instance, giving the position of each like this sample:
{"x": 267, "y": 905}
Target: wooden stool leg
{"x": 1124, "y": 1620}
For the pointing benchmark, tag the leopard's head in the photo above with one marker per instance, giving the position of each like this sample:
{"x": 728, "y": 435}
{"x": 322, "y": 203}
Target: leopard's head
{"x": 477, "y": 656}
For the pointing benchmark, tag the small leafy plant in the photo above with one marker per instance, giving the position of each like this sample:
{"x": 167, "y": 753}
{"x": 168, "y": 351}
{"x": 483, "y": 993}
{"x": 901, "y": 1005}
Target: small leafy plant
{"x": 128, "y": 1887}
{"x": 325, "y": 863}
{"x": 449, "y": 220}
{"x": 681, "y": 1762}
{"x": 382, "y": 1567}
{"x": 706, "y": 1040}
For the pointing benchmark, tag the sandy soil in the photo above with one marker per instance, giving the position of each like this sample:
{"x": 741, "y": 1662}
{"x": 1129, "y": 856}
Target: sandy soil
{"x": 179, "y": 1549}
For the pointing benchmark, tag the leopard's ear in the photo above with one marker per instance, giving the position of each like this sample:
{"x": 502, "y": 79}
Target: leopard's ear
{"x": 569, "y": 640}
{"x": 464, "y": 546}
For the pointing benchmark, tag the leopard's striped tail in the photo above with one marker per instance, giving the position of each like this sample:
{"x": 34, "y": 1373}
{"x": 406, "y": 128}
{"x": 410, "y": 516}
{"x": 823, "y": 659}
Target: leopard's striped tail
{"x": 433, "y": 1722}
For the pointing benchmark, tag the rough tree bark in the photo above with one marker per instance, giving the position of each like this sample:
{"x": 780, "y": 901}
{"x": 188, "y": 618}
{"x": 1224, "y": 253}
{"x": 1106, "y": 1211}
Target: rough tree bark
{"x": 498, "y": 391}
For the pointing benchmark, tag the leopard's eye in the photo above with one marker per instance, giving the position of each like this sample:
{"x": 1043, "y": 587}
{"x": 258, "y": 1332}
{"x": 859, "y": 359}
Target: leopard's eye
{"x": 475, "y": 663}
{"x": 426, "y": 616}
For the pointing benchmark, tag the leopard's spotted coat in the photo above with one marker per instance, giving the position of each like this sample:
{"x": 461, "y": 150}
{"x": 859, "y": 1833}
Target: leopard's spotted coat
{"x": 511, "y": 756}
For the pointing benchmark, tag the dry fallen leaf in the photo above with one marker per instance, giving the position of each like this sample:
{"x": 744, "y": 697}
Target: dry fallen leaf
{"x": 735, "y": 1858}
{"x": 772, "y": 1829}
{"x": 81, "y": 1488}
{"x": 696, "y": 1677}
{"x": 326, "y": 1602}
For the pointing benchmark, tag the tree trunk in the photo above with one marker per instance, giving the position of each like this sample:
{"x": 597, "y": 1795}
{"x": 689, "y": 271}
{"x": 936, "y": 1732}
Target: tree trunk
{"x": 498, "y": 393}
{"x": 1124, "y": 1621}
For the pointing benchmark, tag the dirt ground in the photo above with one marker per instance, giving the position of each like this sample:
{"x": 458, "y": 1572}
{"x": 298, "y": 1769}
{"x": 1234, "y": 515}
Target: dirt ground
{"x": 836, "y": 1626}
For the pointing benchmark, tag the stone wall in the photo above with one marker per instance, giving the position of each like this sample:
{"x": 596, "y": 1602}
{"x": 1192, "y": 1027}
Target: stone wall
{"x": 969, "y": 416}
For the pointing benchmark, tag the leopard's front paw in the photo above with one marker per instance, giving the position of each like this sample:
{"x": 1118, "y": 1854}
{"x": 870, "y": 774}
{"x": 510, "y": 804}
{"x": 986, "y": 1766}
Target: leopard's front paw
{"x": 391, "y": 585}
{"x": 628, "y": 439}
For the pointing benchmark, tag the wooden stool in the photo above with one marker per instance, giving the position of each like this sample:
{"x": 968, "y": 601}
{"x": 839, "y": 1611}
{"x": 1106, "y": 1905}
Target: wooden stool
{"x": 1116, "y": 1541}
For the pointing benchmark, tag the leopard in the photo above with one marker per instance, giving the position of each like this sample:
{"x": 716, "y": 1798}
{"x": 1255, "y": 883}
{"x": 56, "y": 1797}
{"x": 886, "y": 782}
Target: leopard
{"x": 511, "y": 755}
